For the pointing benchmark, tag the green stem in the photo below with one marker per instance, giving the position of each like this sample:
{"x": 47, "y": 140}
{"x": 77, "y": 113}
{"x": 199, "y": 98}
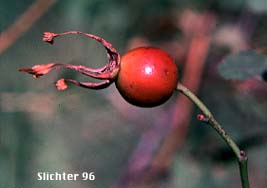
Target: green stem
{"x": 209, "y": 119}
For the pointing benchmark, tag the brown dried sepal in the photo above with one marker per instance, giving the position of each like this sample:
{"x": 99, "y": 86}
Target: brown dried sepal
{"x": 107, "y": 73}
{"x": 49, "y": 37}
{"x": 38, "y": 70}
{"x": 61, "y": 84}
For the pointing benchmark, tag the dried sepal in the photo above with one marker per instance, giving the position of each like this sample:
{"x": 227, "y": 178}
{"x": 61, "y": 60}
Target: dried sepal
{"x": 49, "y": 37}
{"x": 107, "y": 73}
{"x": 38, "y": 70}
{"x": 90, "y": 85}
{"x": 61, "y": 84}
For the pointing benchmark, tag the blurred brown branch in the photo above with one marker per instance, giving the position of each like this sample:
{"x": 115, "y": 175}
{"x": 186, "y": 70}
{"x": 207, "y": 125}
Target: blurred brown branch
{"x": 193, "y": 70}
{"x": 183, "y": 111}
{"x": 157, "y": 147}
{"x": 23, "y": 23}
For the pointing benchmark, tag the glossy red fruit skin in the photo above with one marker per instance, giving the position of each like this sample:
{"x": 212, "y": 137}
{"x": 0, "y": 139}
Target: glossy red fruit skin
{"x": 147, "y": 77}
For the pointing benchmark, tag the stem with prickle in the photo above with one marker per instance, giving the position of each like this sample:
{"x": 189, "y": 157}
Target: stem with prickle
{"x": 209, "y": 119}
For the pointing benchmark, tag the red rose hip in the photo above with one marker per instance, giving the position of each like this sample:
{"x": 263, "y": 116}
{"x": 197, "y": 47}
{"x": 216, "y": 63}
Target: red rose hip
{"x": 147, "y": 76}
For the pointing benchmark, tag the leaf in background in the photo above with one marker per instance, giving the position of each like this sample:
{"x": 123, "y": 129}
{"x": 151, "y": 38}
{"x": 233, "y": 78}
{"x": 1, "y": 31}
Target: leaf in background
{"x": 258, "y": 6}
{"x": 243, "y": 65}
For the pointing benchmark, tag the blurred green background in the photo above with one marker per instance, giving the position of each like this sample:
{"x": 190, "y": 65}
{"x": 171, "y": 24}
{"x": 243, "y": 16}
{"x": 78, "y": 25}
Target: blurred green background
{"x": 79, "y": 130}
